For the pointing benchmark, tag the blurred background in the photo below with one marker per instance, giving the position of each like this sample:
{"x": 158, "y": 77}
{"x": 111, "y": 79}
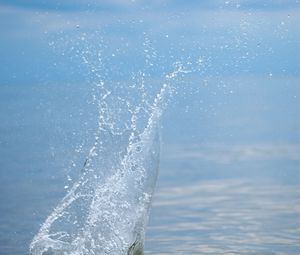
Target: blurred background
{"x": 230, "y": 165}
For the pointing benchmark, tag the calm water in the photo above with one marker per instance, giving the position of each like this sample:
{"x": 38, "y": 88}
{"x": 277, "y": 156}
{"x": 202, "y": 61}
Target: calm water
{"x": 229, "y": 178}
{"x": 212, "y": 198}
{"x": 225, "y": 216}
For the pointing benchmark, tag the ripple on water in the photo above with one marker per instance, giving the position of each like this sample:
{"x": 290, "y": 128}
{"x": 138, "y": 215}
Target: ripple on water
{"x": 225, "y": 217}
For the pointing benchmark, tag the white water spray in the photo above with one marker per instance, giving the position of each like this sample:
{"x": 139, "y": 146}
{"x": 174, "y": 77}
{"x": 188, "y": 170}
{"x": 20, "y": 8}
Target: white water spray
{"x": 106, "y": 210}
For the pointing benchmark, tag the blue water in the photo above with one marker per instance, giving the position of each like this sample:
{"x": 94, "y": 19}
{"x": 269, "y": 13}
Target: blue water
{"x": 227, "y": 140}
{"x": 212, "y": 197}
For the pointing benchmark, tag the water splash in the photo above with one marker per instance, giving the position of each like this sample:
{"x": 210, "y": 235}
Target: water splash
{"x": 106, "y": 210}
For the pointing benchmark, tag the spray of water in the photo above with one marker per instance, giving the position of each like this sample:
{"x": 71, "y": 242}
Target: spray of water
{"x": 106, "y": 210}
